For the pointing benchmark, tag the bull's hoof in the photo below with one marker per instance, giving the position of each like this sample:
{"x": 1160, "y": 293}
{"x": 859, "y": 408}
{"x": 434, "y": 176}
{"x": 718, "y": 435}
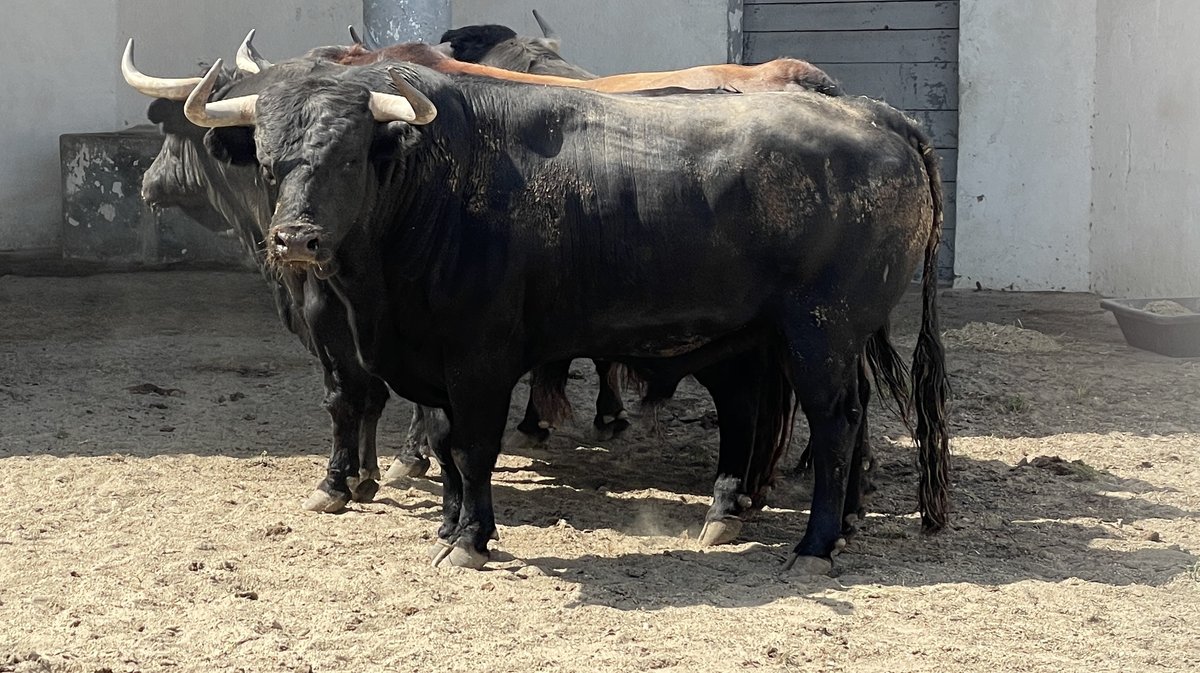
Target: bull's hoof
{"x": 610, "y": 427}
{"x": 364, "y": 491}
{"x": 849, "y": 526}
{"x": 520, "y": 439}
{"x": 320, "y": 501}
{"x": 458, "y": 555}
{"x": 402, "y": 469}
{"x": 809, "y": 565}
{"x": 720, "y": 531}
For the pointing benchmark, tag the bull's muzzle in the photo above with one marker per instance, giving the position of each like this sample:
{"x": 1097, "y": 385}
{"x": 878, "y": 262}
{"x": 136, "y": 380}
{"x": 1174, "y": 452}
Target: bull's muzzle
{"x": 297, "y": 244}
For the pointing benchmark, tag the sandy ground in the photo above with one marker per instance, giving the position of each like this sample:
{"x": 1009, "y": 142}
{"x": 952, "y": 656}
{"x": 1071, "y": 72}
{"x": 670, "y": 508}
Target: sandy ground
{"x": 151, "y": 532}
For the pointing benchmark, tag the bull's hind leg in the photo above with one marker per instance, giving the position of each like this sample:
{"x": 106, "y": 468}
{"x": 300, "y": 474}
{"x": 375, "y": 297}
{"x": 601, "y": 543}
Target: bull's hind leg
{"x": 611, "y": 419}
{"x": 861, "y": 463}
{"x": 546, "y": 386}
{"x": 861, "y": 466}
{"x": 734, "y": 385}
{"x": 411, "y": 460}
{"x": 825, "y": 367}
{"x": 364, "y": 488}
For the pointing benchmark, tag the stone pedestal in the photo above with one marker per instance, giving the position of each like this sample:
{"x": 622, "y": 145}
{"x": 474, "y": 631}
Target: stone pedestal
{"x": 105, "y": 219}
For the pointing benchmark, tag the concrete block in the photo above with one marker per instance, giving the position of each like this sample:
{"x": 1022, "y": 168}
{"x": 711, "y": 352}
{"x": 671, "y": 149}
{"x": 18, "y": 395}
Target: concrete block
{"x": 105, "y": 219}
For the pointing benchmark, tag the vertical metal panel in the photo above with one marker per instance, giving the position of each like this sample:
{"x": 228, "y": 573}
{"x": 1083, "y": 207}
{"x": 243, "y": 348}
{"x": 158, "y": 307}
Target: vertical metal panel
{"x": 901, "y": 51}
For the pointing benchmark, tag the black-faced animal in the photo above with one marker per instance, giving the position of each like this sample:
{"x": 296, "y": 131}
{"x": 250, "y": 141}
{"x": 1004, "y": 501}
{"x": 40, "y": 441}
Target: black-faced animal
{"x": 758, "y": 241}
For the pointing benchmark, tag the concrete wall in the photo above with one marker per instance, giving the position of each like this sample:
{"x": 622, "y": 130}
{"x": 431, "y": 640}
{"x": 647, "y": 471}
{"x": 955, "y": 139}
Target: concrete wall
{"x": 52, "y": 83}
{"x": 1079, "y": 157}
{"x": 618, "y": 35}
{"x": 1026, "y": 86}
{"x": 1146, "y": 189}
{"x": 68, "y": 80}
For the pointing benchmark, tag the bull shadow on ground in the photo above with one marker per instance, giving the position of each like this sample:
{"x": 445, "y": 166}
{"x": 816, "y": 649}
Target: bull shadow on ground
{"x": 1011, "y": 524}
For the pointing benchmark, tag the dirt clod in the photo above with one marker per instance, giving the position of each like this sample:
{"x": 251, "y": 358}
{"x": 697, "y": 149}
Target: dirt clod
{"x": 151, "y": 389}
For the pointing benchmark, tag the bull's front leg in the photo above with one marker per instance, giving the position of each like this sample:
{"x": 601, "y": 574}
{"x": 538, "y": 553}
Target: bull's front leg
{"x": 345, "y": 400}
{"x": 348, "y": 395}
{"x": 366, "y": 485}
{"x": 479, "y": 409}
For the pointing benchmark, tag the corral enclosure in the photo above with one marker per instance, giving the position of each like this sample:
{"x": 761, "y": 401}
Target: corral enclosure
{"x": 161, "y": 430}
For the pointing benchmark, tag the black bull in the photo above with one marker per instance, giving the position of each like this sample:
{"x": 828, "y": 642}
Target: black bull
{"x": 527, "y": 225}
{"x": 221, "y": 197}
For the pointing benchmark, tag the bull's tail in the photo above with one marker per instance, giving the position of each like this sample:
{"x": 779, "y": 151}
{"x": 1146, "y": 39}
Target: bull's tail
{"x": 548, "y": 392}
{"x": 777, "y": 408}
{"x": 930, "y": 383}
{"x": 890, "y": 373}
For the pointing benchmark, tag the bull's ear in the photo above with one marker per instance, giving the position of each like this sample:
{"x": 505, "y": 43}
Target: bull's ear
{"x": 231, "y": 144}
{"x": 160, "y": 110}
{"x": 394, "y": 139}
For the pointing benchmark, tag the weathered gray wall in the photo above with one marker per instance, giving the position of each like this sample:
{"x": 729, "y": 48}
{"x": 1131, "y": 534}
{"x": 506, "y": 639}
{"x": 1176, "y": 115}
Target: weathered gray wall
{"x": 390, "y": 21}
{"x": 617, "y": 35}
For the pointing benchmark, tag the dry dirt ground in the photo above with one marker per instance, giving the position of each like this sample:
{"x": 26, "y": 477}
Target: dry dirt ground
{"x": 152, "y": 532}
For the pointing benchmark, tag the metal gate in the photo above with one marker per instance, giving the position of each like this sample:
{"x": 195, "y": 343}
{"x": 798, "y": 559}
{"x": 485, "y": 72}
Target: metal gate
{"x": 902, "y": 51}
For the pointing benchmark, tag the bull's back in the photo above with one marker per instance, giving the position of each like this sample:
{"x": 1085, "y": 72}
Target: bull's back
{"x": 636, "y": 203}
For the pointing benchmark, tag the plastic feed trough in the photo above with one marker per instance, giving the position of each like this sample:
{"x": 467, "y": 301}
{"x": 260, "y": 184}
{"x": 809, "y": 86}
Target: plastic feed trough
{"x": 1174, "y": 335}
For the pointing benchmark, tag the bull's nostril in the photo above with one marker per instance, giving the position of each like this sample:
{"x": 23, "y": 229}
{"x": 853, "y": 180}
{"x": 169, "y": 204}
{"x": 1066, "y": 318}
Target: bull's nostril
{"x": 313, "y": 244}
{"x": 280, "y": 240}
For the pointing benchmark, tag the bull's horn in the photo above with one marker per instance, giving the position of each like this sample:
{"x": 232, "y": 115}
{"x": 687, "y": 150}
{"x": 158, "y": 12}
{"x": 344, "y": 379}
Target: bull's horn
{"x": 355, "y": 36}
{"x": 546, "y": 29}
{"x": 155, "y": 87}
{"x": 232, "y": 112}
{"x": 410, "y": 106}
{"x": 248, "y": 59}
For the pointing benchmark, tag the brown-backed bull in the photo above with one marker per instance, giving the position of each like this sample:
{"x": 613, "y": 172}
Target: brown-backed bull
{"x": 783, "y": 74}
{"x": 749, "y": 239}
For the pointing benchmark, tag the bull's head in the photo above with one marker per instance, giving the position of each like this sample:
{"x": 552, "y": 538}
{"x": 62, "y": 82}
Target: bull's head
{"x": 176, "y": 177}
{"x": 317, "y": 141}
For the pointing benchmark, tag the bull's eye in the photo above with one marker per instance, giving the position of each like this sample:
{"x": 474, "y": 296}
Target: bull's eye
{"x": 352, "y": 163}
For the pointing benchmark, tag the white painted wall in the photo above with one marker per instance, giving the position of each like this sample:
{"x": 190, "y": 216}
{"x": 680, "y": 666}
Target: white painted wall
{"x": 1079, "y": 146}
{"x": 617, "y": 35}
{"x": 69, "y": 52}
{"x": 1146, "y": 176}
{"x": 1026, "y": 86}
{"x": 52, "y": 84}
{"x": 62, "y": 76}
